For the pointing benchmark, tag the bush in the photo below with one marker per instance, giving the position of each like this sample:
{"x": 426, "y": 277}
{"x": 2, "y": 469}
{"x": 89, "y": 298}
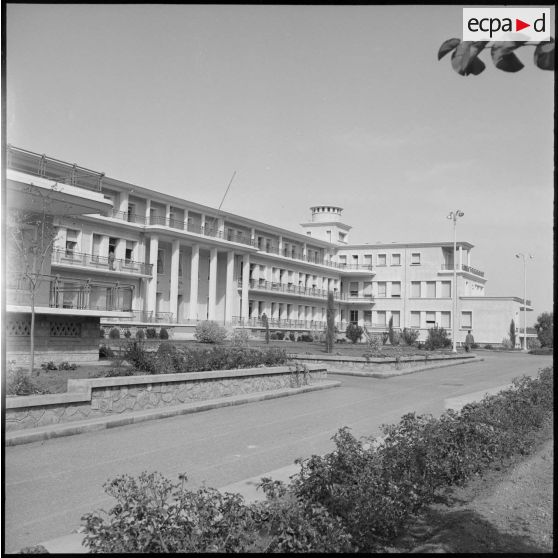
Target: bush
{"x": 210, "y": 332}
{"x": 475, "y": 345}
{"x": 115, "y": 372}
{"x": 506, "y": 343}
{"x": 306, "y": 338}
{"x": 151, "y": 333}
{"x": 354, "y": 332}
{"x": 105, "y": 352}
{"x": 67, "y": 366}
{"x": 545, "y": 329}
{"x": 166, "y": 356}
{"x": 18, "y": 382}
{"x": 49, "y": 365}
{"x": 240, "y": 337}
{"x": 163, "y": 333}
{"x": 374, "y": 344}
{"x": 127, "y": 333}
{"x": 410, "y": 336}
{"x": 489, "y": 346}
{"x": 114, "y": 333}
{"x": 140, "y": 334}
{"x": 533, "y": 343}
{"x": 437, "y": 339}
{"x": 140, "y": 359}
{"x": 273, "y": 336}
{"x": 280, "y": 335}
{"x": 292, "y": 336}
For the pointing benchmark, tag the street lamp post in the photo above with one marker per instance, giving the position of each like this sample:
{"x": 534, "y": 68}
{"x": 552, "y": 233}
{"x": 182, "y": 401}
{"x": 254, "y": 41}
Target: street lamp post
{"x": 454, "y": 215}
{"x": 524, "y": 257}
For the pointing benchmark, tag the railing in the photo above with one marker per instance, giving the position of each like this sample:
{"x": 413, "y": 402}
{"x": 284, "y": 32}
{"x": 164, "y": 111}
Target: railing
{"x": 53, "y": 169}
{"x": 67, "y": 257}
{"x": 302, "y": 291}
{"x": 467, "y": 268}
{"x": 60, "y": 292}
{"x": 149, "y": 317}
{"x": 280, "y": 323}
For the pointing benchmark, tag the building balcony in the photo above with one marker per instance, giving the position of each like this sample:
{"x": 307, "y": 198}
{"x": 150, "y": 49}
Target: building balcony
{"x": 56, "y": 292}
{"x": 276, "y": 323}
{"x": 95, "y": 262}
{"x": 466, "y": 268}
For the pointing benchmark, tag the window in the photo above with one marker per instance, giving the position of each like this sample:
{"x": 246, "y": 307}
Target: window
{"x": 381, "y": 318}
{"x": 430, "y": 318}
{"x": 353, "y": 288}
{"x": 368, "y": 317}
{"x": 445, "y": 320}
{"x": 354, "y": 316}
{"x": 415, "y": 258}
{"x": 355, "y": 259}
{"x": 415, "y": 289}
{"x": 396, "y": 259}
{"x": 445, "y": 290}
{"x": 367, "y": 289}
{"x": 129, "y": 254}
{"x": 396, "y": 289}
{"x": 160, "y": 262}
{"x": 466, "y": 320}
{"x": 381, "y": 289}
{"x": 71, "y": 242}
{"x": 342, "y": 237}
{"x": 368, "y": 259}
{"x": 415, "y": 319}
{"x": 131, "y": 212}
{"x": 396, "y": 319}
{"x": 431, "y": 289}
{"x": 343, "y": 260}
{"x": 381, "y": 259}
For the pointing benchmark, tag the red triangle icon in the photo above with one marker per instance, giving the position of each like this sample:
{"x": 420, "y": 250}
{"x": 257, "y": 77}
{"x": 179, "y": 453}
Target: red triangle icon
{"x": 519, "y": 25}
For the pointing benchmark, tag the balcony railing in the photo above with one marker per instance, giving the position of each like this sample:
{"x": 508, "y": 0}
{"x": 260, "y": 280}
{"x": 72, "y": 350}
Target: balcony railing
{"x": 53, "y": 169}
{"x": 467, "y": 268}
{"x": 60, "y": 292}
{"x": 67, "y": 257}
{"x": 303, "y": 291}
{"x": 149, "y": 317}
{"x": 280, "y": 323}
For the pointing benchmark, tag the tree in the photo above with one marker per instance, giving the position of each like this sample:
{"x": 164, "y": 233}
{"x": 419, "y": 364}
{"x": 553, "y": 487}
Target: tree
{"x": 354, "y": 332}
{"x": 265, "y": 323}
{"x": 465, "y": 61}
{"x": 32, "y": 234}
{"x": 512, "y": 334}
{"x": 545, "y": 329}
{"x": 330, "y": 323}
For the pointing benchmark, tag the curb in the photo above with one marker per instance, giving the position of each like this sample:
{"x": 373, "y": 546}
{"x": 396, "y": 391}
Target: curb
{"x": 56, "y": 431}
{"x": 457, "y": 403}
{"x": 392, "y": 373}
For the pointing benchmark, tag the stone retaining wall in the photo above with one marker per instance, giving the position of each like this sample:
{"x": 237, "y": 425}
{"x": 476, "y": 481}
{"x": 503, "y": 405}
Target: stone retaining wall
{"x": 335, "y": 362}
{"x": 102, "y": 397}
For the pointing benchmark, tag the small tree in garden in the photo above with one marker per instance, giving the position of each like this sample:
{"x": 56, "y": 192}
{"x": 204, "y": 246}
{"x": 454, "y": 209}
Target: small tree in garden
{"x": 31, "y": 237}
{"x": 330, "y": 321}
{"x": 265, "y": 323}
{"x": 512, "y": 334}
{"x": 210, "y": 332}
{"x": 354, "y": 332}
{"x": 545, "y": 329}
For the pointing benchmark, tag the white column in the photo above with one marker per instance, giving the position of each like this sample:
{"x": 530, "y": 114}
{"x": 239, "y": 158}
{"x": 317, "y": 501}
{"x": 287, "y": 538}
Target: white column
{"x": 167, "y": 214}
{"x": 229, "y": 287}
{"x": 152, "y": 287}
{"x": 245, "y": 284}
{"x": 185, "y": 219}
{"x": 147, "y": 211}
{"x": 469, "y": 258}
{"x": 281, "y": 245}
{"x": 202, "y": 223}
{"x": 123, "y": 206}
{"x": 194, "y": 271}
{"x": 221, "y": 227}
{"x": 460, "y": 258}
{"x": 304, "y": 250}
{"x": 212, "y": 302}
{"x": 174, "y": 278}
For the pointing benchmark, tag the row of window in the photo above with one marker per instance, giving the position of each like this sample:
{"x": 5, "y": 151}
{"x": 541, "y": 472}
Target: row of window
{"x": 381, "y": 259}
{"x": 432, "y": 289}
{"x": 379, "y": 318}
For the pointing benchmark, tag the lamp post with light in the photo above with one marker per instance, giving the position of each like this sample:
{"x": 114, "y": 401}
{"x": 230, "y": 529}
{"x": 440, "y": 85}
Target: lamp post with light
{"x": 524, "y": 257}
{"x": 454, "y": 215}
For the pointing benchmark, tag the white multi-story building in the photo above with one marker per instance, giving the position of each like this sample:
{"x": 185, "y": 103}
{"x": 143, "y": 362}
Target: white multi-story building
{"x": 183, "y": 262}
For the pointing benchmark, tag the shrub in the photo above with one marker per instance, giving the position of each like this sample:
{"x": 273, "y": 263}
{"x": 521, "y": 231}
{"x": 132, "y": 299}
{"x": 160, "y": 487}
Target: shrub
{"x": 120, "y": 371}
{"x": 210, "y": 332}
{"x": 273, "y": 336}
{"x": 437, "y": 339}
{"x": 49, "y": 365}
{"x": 489, "y": 346}
{"x": 102, "y": 332}
{"x": 240, "y": 337}
{"x": 306, "y": 338}
{"x": 114, "y": 333}
{"x": 151, "y": 333}
{"x": 140, "y": 359}
{"x": 374, "y": 344}
{"x": 341, "y": 340}
{"x": 166, "y": 356}
{"x": 291, "y": 336}
{"x": 140, "y": 334}
{"x": 280, "y": 335}
{"x": 127, "y": 333}
{"x": 475, "y": 345}
{"x": 506, "y": 343}
{"x": 265, "y": 323}
{"x": 410, "y": 336}
{"x": 354, "y": 332}
{"x": 545, "y": 329}
{"x": 105, "y": 352}
{"x": 67, "y": 366}
{"x": 163, "y": 333}
{"x": 512, "y": 333}
{"x": 18, "y": 382}
{"x": 533, "y": 343}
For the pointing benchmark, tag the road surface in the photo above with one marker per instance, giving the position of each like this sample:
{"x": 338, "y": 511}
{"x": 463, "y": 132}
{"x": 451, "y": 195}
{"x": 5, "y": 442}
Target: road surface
{"x": 49, "y": 485}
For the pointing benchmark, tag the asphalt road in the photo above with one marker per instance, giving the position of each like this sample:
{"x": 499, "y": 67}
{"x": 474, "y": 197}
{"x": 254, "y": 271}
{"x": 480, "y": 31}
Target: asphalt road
{"x": 49, "y": 485}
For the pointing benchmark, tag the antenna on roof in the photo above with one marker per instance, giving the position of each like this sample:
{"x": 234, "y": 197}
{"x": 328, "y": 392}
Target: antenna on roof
{"x": 226, "y": 191}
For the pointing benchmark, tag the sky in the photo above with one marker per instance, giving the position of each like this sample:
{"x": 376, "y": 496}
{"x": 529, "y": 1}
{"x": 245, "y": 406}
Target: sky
{"x": 310, "y": 105}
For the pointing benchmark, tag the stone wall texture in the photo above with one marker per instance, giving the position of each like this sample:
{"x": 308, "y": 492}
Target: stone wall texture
{"x": 139, "y": 393}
